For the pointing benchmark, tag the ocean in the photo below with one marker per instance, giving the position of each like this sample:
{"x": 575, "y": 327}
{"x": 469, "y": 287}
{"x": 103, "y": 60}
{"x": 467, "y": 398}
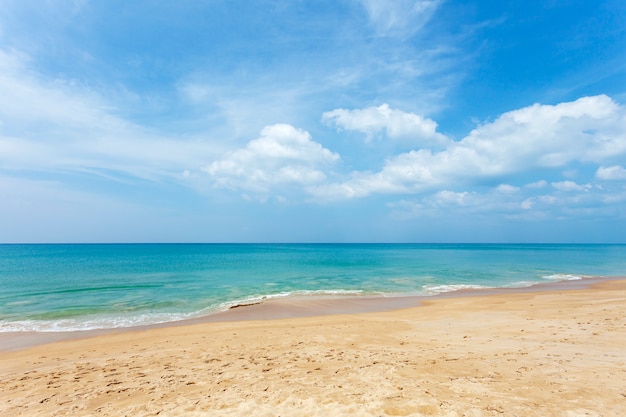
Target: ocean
{"x": 59, "y": 287}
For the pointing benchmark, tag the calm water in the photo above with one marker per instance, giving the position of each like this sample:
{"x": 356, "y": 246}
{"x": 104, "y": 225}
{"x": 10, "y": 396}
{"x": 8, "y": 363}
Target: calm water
{"x": 79, "y": 287}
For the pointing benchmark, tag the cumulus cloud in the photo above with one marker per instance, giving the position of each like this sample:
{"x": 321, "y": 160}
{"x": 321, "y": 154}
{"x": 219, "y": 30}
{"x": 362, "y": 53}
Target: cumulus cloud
{"x": 521, "y": 204}
{"x": 527, "y": 204}
{"x": 282, "y": 155}
{"x": 408, "y": 128}
{"x": 588, "y": 130}
{"x": 399, "y": 17}
{"x": 446, "y": 201}
{"x": 540, "y": 201}
{"x": 446, "y": 198}
{"x": 570, "y": 186}
{"x": 506, "y": 188}
{"x": 54, "y": 125}
{"x": 615, "y": 172}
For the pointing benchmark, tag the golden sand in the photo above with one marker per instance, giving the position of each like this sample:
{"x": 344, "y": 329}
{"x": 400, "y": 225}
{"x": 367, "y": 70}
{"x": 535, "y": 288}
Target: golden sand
{"x": 549, "y": 353}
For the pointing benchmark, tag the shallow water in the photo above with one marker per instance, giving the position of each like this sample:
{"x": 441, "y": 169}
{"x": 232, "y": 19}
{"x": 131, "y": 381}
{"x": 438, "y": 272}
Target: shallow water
{"x": 82, "y": 287}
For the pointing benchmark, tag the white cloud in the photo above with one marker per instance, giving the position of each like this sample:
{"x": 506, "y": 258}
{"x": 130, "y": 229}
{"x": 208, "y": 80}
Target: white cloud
{"x": 537, "y": 184}
{"x": 588, "y": 130}
{"x": 521, "y": 204}
{"x": 407, "y": 128}
{"x": 615, "y": 172}
{"x": 446, "y": 198}
{"x": 615, "y": 197}
{"x": 399, "y": 17}
{"x": 59, "y": 125}
{"x": 506, "y": 189}
{"x": 538, "y": 201}
{"x": 56, "y": 125}
{"x": 282, "y": 155}
{"x": 527, "y": 204}
{"x": 570, "y": 186}
{"x": 28, "y": 99}
{"x": 464, "y": 202}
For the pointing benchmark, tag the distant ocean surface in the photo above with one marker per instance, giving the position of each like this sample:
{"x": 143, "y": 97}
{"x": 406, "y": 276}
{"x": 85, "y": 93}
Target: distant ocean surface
{"x": 50, "y": 288}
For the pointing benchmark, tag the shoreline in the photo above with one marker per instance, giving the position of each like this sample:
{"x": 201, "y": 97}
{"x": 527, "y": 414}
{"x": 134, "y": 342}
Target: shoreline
{"x": 539, "y": 353}
{"x": 296, "y": 307}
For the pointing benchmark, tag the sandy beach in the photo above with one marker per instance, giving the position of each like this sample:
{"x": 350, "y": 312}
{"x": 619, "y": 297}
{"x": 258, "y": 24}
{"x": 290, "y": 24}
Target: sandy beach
{"x": 554, "y": 352}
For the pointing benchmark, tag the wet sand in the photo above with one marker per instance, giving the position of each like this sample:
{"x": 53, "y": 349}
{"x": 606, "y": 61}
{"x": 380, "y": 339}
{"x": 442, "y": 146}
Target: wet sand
{"x": 554, "y": 351}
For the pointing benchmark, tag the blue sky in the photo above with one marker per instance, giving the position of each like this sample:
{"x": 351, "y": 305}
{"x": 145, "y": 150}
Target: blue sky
{"x": 312, "y": 121}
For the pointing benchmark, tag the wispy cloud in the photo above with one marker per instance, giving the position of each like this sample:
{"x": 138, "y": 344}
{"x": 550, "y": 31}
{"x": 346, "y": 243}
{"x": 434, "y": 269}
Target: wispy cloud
{"x": 418, "y": 106}
{"x": 58, "y": 126}
{"x": 399, "y": 17}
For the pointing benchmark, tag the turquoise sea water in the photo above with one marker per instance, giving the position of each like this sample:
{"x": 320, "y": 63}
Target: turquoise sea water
{"x": 80, "y": 287}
